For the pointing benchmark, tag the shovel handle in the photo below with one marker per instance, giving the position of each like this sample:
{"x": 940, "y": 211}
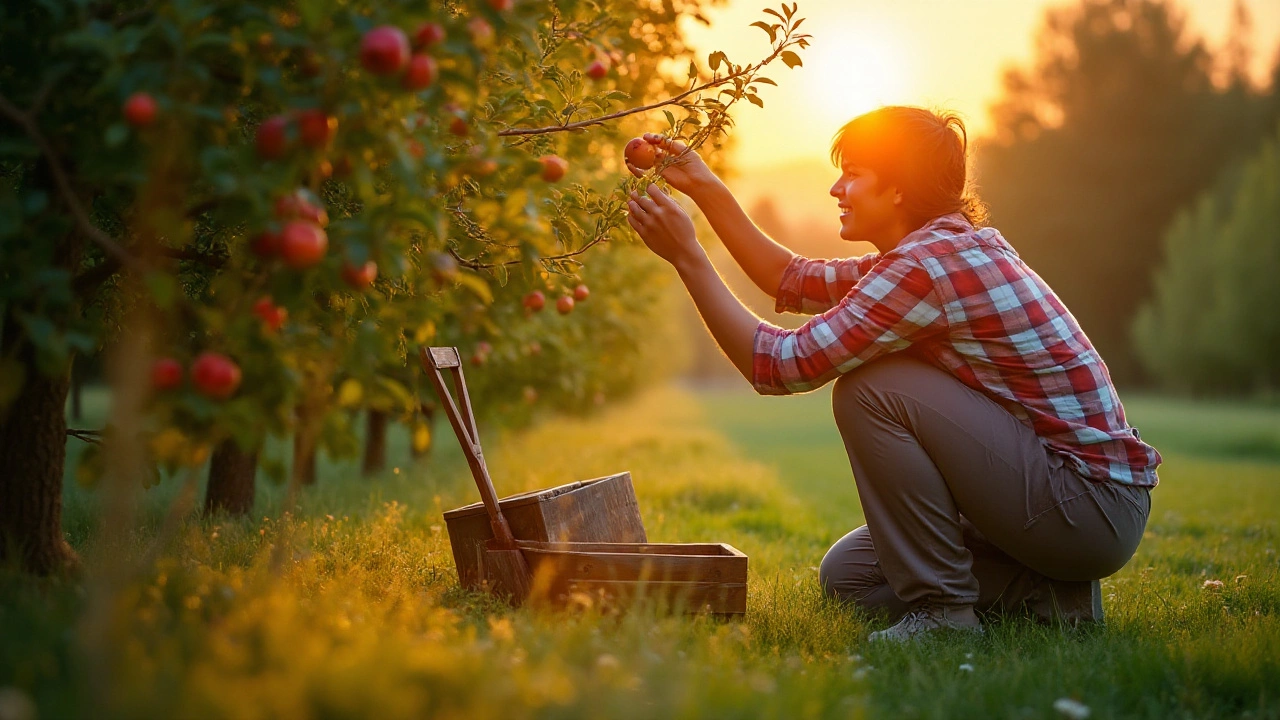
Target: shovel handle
{"x": 436, "y": 359}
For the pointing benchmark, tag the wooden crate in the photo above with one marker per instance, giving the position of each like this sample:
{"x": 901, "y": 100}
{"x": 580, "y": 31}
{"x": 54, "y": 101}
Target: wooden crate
{"x": 599, "y": 510}
{"x": 691, "y": 577}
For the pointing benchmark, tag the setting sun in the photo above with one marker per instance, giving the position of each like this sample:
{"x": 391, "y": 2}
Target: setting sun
{"x": 851, "y": 74}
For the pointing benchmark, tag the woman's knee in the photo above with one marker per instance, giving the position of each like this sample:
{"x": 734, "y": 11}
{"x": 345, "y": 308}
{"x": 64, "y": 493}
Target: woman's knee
{"x": 861, "y": 389}
{"x": 850, "y": 568}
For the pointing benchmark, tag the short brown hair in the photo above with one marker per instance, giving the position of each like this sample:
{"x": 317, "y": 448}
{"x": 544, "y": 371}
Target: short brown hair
{"x": 922, "y": 153}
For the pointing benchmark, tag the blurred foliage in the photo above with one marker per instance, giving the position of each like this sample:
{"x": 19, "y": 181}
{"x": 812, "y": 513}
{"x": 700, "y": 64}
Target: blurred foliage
{"x": 1121, "y": 119}
{"x": 1211, "y": 326}
{"x": 441, "y": 186}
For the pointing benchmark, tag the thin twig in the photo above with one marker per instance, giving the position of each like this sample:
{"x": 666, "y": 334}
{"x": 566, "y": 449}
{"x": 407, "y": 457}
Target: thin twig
{"x": 89, "y": 436}
{"x": 644, "y": 108}
{"x": 477, "y": 265}
{"x": 109, "y": 245}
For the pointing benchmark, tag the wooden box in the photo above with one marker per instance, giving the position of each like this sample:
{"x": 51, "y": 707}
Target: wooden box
{"x": 691, "y": 577}
{"x": 599, "y": 510}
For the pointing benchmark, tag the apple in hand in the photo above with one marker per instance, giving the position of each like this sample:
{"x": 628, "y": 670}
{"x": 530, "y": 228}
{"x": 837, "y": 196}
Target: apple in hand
{"x": 140, "y": 109}
{"x": 166, "y": 374}
{"x": 215, "y": 375}
{"x": 384, "y": 50}
{"x": 302, "y": 244}
{"x": 641, "y": 153}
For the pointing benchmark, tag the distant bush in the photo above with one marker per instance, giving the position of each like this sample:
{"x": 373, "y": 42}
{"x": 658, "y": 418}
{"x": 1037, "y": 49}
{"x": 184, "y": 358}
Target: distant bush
{"x": 1212, "y": 325}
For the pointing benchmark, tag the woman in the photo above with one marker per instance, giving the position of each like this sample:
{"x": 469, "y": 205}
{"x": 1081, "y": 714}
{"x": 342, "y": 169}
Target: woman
{"x": 990, "y": 450}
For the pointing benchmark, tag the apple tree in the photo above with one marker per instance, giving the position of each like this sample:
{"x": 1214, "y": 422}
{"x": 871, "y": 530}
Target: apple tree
{"x": 263, "y": 209}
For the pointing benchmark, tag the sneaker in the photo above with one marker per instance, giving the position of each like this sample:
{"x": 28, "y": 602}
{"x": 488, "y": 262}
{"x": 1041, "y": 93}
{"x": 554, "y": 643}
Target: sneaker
{"x": 1069, "y": 602}
{"x": 929, "y": 618}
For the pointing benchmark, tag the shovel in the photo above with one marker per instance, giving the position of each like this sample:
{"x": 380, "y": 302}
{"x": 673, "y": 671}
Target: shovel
{"x": 505, "y": 568}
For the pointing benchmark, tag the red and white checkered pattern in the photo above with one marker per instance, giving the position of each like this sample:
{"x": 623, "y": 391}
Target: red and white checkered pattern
{"x": 962, "y": 299}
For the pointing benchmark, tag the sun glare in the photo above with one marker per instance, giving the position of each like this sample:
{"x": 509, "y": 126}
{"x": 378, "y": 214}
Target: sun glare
{"x": 853, "y": 72}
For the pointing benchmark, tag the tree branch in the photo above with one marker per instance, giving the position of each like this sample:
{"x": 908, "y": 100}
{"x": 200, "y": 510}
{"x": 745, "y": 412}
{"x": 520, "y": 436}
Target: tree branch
{"x": 109, "y": 245}
{"x": 644, "y": 108}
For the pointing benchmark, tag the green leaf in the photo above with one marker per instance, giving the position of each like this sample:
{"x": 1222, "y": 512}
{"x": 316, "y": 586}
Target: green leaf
{"x": 163, "y": 288}
{"x": 117, "y": 133}
{"x": 773, "y": 34}
{"x": 755, "y": 100}
{"x": 791, "y": 59}
{"x": 500, "y": 274}
{"x": 776, "y": 14}
{"x": 765, "y": 81}
{"x": 671, "y": 119}
{"x": 693, "y": 69}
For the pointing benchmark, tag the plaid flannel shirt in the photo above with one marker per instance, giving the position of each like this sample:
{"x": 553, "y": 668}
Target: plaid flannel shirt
{"x": 965, "y": 301}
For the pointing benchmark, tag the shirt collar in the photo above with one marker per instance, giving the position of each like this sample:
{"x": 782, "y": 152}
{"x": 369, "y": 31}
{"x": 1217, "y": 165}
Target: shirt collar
{"x": 953, "y": 223}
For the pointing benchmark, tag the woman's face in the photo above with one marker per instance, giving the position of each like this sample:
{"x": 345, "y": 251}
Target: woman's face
{"x": 867, "y": 212}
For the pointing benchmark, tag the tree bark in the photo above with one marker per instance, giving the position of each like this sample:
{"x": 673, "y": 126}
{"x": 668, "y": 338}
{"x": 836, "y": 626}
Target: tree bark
{"x": 232, "y": 472}
{"x": 33, "y": 452}
{"x": 304, "y": 460}
{"x": 77, "y": 385}
{"x": 375, "y": 442}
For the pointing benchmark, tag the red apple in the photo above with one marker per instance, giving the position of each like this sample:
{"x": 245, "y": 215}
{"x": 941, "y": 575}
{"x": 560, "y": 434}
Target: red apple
{"x": 384, "y": 50}
{"x": 477, "y": 358}
{"x": 301, "y": 204}
{"x": 359, "y": 276}
{"x": 140, "y": 109}
{"x": 553, "y": 167}
{"x": 502, "y": 5}
{"x": 273, "y": 137}
{"x": 458, "y": 126}
{"x": 166, "y": 374}
{"x": 428, "y": 34}
{"x": 316, "y": 128}
{"x": 564, "y": 305}
{"x": 598, "y": 69}
{"x": 421, "y": 72}
{"x": 302, "y": 244}
{"x": 481, "y": 32}
{"x": 266, "y": 244}
{"x": 641, "y": 153}
{"x": 272, "y": 315}
{"x": 535, "y": 300}
{"x": 581, "y": 293}
{"x": 215, "y": 375}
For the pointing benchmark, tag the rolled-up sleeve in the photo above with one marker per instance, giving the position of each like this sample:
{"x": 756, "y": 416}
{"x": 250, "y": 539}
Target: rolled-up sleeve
{"x": 814, "y": 286}
{"x": 890, "y": 308}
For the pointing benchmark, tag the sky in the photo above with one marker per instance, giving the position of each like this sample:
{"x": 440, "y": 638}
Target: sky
{"x": 936, "y": 53}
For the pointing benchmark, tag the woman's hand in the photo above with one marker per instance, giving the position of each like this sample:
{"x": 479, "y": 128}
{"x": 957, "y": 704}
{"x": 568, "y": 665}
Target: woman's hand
{"x": 664, "y": 226}
{"x": 688, "y": 173}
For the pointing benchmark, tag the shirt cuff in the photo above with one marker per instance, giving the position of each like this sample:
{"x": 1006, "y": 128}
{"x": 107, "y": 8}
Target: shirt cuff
{"x": 789, "y": 297}
{"x": 765, "y": 377}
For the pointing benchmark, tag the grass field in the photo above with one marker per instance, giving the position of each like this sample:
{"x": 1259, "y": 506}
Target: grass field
{"x": 361, "y": 616}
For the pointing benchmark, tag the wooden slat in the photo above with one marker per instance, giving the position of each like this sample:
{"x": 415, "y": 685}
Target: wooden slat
{"x": 445, "y": 357}
{"x": 623, "y": 566}
{"x": 692, "y": 597}
{"x": 714, "y": 550}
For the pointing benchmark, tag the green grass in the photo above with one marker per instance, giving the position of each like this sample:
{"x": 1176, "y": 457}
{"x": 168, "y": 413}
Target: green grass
{"x": 362, "y": 616}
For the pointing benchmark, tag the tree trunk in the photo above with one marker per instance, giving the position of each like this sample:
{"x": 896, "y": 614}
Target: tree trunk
{"x": 77, "y": 384}
{"x": 231, "y": 480}
{"x": 375, "y": 442}
{"x": 33, "y": 451}
{"x": 304, "y": 460}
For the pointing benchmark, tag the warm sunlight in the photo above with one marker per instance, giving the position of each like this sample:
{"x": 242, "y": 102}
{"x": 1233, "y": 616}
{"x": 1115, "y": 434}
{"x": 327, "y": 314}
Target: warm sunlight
{"x": 848, "y": 74}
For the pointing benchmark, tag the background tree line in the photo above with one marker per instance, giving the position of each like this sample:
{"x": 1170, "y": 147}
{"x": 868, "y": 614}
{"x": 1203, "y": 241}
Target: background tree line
{"x": 1118, "y": 171}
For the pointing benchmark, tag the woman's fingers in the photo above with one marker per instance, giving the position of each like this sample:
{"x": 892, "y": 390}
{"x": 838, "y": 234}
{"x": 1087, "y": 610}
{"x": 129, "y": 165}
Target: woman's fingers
{"x": 634, "y": 170}
{"x": 645, "y": 202}
{"x": 672, "y": 146}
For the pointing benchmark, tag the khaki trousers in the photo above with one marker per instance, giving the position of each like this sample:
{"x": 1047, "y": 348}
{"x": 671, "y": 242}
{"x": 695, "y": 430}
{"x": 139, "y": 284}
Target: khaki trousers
{"x": 963, "y": 504}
